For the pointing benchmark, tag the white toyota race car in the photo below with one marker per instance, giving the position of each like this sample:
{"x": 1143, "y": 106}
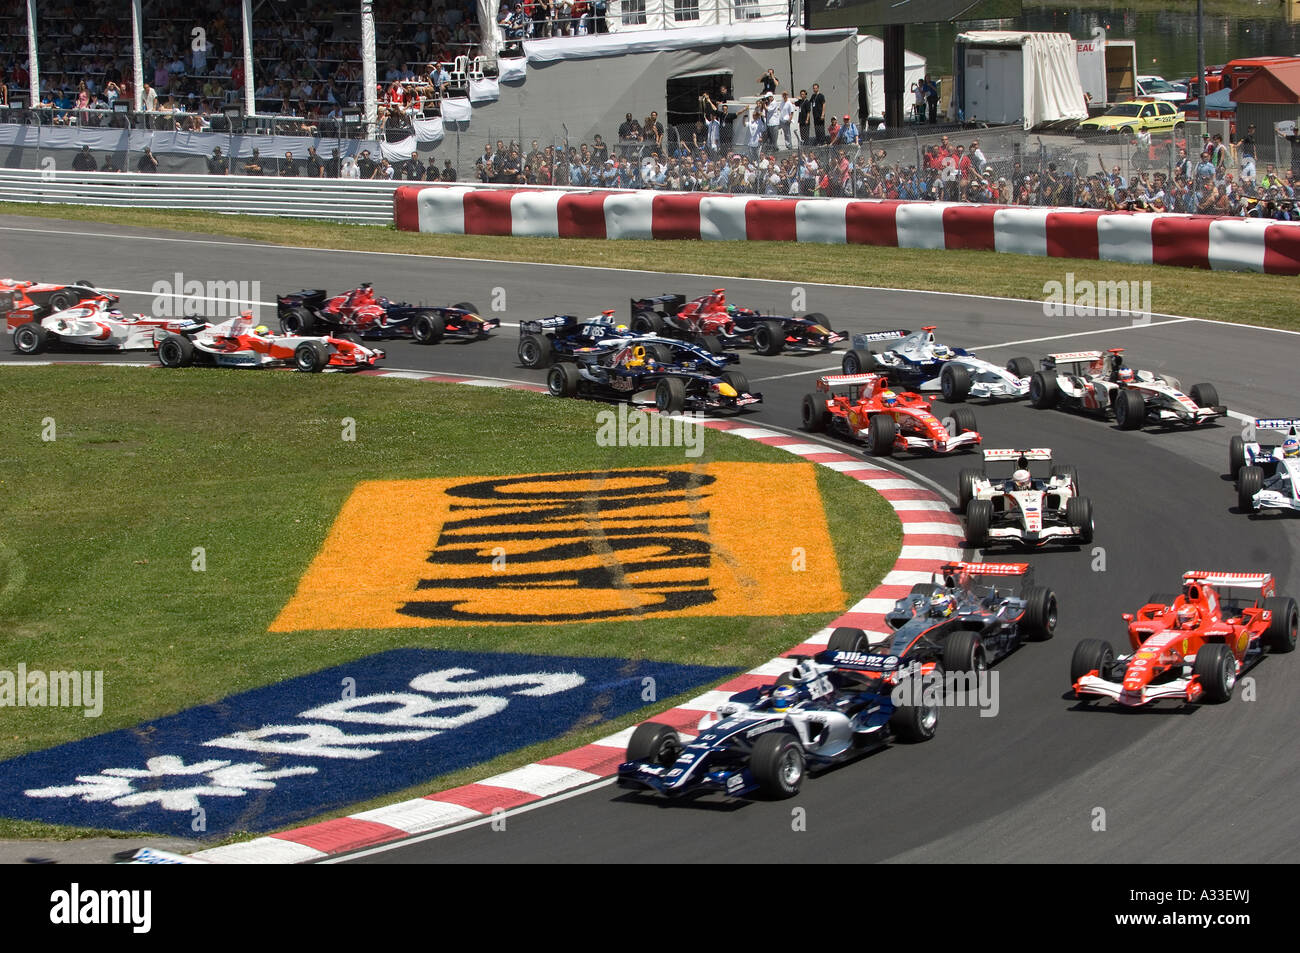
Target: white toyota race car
{"x": 1021, "y": 509}
{"x": 94, "y": 323}
{"x": 919, "y": 363}
{"x": 237, "y": 343}
{"x": 1268, "y": 475}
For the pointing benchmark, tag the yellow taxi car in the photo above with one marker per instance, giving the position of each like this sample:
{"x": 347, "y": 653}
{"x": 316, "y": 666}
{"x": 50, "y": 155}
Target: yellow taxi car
{"x": 1153, "y": 114}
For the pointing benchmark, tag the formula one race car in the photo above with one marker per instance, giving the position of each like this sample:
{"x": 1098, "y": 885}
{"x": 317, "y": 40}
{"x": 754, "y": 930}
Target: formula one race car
{"x": 919, "y": 363}
{"x": 1019, "y": 508}
{"x": 1268, "y": 475}
{"x": 765, "y": 739}
{"x": 861, "y": 406}
{"x": 93, "y": 323}
{"x": 1101, "y": 383}
{"x": 633, "y": 369}
{"x": 563, "y": 337}
{"x": 237, "y": 343}
{"x": 23, "y": 301}
{"x": 1193, "y": 646}
{"x": 361, "y": 312}
{"x": 711, "y": 322}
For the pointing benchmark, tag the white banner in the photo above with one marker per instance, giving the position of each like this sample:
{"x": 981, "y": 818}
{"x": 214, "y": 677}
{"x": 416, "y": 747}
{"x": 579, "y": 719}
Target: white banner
{"x": 398, "y": 151}
{"x": 427, "y": 130}
{"x": 484, "y": 90}
{"x": 512, "y": 70}
{"x": 456, "y": 110}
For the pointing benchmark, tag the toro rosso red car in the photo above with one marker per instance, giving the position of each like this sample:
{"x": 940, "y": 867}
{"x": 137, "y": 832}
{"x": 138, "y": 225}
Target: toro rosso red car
{"x": 863, "y": 407}
{"x": 362, "y": 312}
{"x": 24, "y": 301}
{"x": 1193, "y": 646}
{"x": 237, "y": 343}
{"x": 710, "y": 322}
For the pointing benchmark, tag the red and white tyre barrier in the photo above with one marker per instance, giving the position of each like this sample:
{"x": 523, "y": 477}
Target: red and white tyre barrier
{"x": 1162, "y": 238}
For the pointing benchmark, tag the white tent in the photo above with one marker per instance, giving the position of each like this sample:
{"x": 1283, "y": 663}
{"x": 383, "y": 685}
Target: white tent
{"x": 871, "y": 64}
{"x": 1012, "y": 76}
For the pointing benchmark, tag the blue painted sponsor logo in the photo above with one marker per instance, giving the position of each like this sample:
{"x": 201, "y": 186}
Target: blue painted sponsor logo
{"x": 290, "y": 751}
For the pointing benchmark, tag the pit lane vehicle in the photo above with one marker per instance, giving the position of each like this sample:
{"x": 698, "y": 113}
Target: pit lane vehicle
{"x": 1129, "y": 117}
{"x": 1033, "y": 512}
{"x": 23, "y": 301}
{"x": 562, "y": 337}
{"x": 1267, "y": 478}
{"x": 361, "y": 312}
{"x": 95, "y": 324}
{"x": 1193, "y": 646}
{"x": 1101, "y": 383}
{"x": 237, "y": 343}
{"x": 709, "y": 321}
{"x": 920, "y": 363}
{"x": 631, "y": 370}
{"x": 764, "y": 740}
{"x": 857, "y": 406}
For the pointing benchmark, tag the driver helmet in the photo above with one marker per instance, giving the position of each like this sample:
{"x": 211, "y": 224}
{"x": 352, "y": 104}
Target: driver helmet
{"x": 1291, "y": 447}
{"x": 941, "y": 604}
{"x": 1187, "y": 617}
{"x": 888, "y": 398}
{"x": 621, "y": 328}
{"x": 262, "y": 331}
{"x": 1125, "y": 375}
{"x": 942, "y": 351}
{"x": 784, "y": 697}
{"x": 1021, "y": 479}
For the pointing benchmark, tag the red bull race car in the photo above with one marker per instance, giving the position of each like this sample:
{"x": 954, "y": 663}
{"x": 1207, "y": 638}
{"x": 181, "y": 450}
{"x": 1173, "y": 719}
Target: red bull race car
{"x": 864, "y": 407}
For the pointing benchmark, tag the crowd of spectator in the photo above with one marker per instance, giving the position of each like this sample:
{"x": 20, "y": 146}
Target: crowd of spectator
{"x": 521, "y": 20}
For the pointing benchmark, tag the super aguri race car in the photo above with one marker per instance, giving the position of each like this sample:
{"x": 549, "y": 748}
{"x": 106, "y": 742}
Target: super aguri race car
{"x": 863, "y": 407}
{"x": 765, "y": 739}
{"x": 711, "y": 322}
{"x": 1268, "y": 475}
{"x": 95, "y": 324}
{"x": 23, "y": 301}
{"x": 917, "y": 362}
{"x": 563, "y": 337}
{"x": 362, "y": 312}
{"x": 1100, "y": 382}
{"x": 624, "y": 373}
{"x": 237, "y": 343}
{"x": 1017, "y": 508}
{"x": 1193, "y": 646}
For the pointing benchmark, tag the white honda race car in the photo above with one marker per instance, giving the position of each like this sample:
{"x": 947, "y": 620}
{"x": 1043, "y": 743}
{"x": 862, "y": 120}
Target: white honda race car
{"x": 1022, "y": 509}
{"x": 1268, "y": 476}
{"x": 94, "y": 323}
{"x": 919, "y": 363}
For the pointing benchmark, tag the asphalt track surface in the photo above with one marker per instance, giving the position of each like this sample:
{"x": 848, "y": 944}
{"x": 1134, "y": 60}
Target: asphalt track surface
{"x": 1176, "y": 783}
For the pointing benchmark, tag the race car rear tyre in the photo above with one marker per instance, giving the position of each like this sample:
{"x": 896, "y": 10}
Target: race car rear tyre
{"x": 1043, "y": 392}
{"x": 655, "y": 743}
{"x": 966, "y": 481}
{"x": 30, "y": 338}
{"x": 1078, "y": 514}
{"x": 778, "y": 764}
{"x": 62, "y": 301}
{"x": 1236, "y": 456}
{"x": 427, "y": 327}
{"x": 963, "y": 652}
{"x": 670, "y": 395}
{"x": 1250, "y": 480}
{"x": 954, "y": 381}
{"x": 1020, "y": 367}
{"x": 1281, "y": 632}
{"x": 916, "y": 723}
{"x": 963, "y": 419}
{"x": 297, "y": 321}
{"x": 535, "y": 350}
{"x": 1204, "y": 395}
{"x": 769, "y": 338}
{"x": 710, "y": 343}
{"x": 847, "y": 639}
{"x": 859, "y": 362}
{"x": 1216, "y": 668}
{"x": 466, "y": 306}
{"x": 1091, "y": 655}
{"x": 979, "y": 517}
{"x": 175, "y": 350}
{"x": 562, "y": 380}
{"x": 647, "y": 322}
{"x": 1039, "y": 620}
{"x": 1069, "y": 472}
{"x": 813, "y": 413}
{"x": 881, "y": 433}
{"x": 1130, "y": 410}
{"x": 659, "y": 353}
{"x": 738, "y": 381}
{"x": 311, "y": 357}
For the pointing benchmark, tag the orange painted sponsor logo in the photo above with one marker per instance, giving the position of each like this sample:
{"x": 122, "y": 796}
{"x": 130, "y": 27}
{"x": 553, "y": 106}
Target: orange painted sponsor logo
{"x": 573, "y": 547}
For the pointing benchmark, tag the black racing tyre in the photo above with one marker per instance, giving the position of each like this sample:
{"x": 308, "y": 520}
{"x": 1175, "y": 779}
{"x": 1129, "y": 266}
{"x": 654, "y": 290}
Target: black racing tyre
{"x": 82, "y": 283}
{"x": 916, "y": 723}
{"x": 647, "y": 322}
{"x": 1204, "y": 395}
{"x": 922, "y": 589}
{"x": 859, "y": 362}
{"x": 670, "y": 395}
{"x": 966, "y": 481}
{"x": 1091, "y": 655}
{"x": 1281, "y": 632}
{"x": 1021, "y": 367}
{"x": 963, "y": 652}
{"x": 1130, "y": 410}
{"x": 351, "y": 336}
{"x": 1216, "y": 667}
{"x": 297, "y": 321}
{"x": 659, "y": 353}
{"x": 881, "y": 433}
{"x": 979, "y": 517}
{"x": 654, "y": 743}
{"x": 30, "y": 338}
{"x": 816, "y": 317}
{"x": 769, "y": 338}
{"x": 778, "y": 765}
{"x": 466, "y": 306}
{"x": 311, "y": 356}
{"x": 427, "y": 327}
{"x": 813, "y": 413}
{"x": 738, "y": 381}
{"x": 846, "y": 639}
{"x": 1078, "y": 514}
{"x": 175, "y": 350}
{"x": 1250, "y": 480}
{"x": 711, "y": 343}
{"x": 562, "y": 380}
{"x": 535, "y": 350}
{"x": 1165, "y": 599}
{"x": 954, "y": 381}
{"x": 1069, "y": 472}
{"x": 963, "y": 420}
{"x": 1043, "y": 390}
{"x": 1039, "y": 621}
{"x": 1236, "y": 456}
{"x": 62, "y": 301}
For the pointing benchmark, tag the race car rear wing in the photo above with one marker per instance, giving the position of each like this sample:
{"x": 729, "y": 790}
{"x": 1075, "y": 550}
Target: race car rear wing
{"x": 985, "y": 569}
{"x": 1071, "y": 357}
{"x": 1282, "y": 424}
{"x": 1038, "y": 454}
{"x": 541, "y": 325}
{"x": 846, "y": 380}
{"x": 1239, "y": 580}
{"x": 861, "y": 338}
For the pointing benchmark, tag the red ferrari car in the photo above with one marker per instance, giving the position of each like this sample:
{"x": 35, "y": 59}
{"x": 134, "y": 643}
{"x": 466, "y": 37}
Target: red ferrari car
{"x": 863, "y": 407}
{"x": 1193, "y": 646}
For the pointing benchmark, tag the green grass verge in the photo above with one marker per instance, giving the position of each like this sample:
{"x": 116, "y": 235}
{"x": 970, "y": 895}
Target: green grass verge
{"x": 97, "y": 528}
{"x": 1243, "y": 297}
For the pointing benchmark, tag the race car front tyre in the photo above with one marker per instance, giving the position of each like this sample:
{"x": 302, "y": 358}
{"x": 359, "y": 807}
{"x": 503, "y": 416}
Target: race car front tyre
{"x": 647, "y": 322}
{"x": 881, "y": 433}
{"x": 963, "y": 421}
{"x": 311, "y": 357}
{"x": 1250, "y": 480}
{"x": 916, "y": 723}
{"x": 1204, "y": 395}
{"x": 670, "y": 395}
{"x": 816, "y": 317}
{"x": 1069, "y": 472}
{"x": 954, "y": 381}
{"x": 1236, "y": 456}
{"x": 859, "y": 362}
{"x": 30, "y": 338}
{"x": 349, "y": 336}
{"x": 62, "y": 301}
{"x": 1216, "y": 668}
{"x": 922, "y": 589}
{"x": 297, "y": 321}
{"x": 1043, "y": 391}
{"x": 660, "y": 353}
{"x": 710, "y": 342}
{"x": 1020, "y": 367}
{"x": 769, "y": 338}
{"x": 1039, "y": 620}
{"x": 175, "y": 350}
{"x": 655, "y": 743}
{"x": 1281, "y": 632}
{"x": 979, "y": 517}
{"x": 427, "y": 327}
{"x": 847, "y": 639}
{"x": 1091, "y": 655}
{"x": 1130, "y": 410}
{"x": 813, "y": 413}
{"x": 966, "y": 481}
{"x": 1078, "y": 514}
{"x": 534, "y": 350}
{"x": 738, "y": 381}
{"x": 562, "y": 380}
{"x": 778, "y": 764}
{"x": 963, "y": 652}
